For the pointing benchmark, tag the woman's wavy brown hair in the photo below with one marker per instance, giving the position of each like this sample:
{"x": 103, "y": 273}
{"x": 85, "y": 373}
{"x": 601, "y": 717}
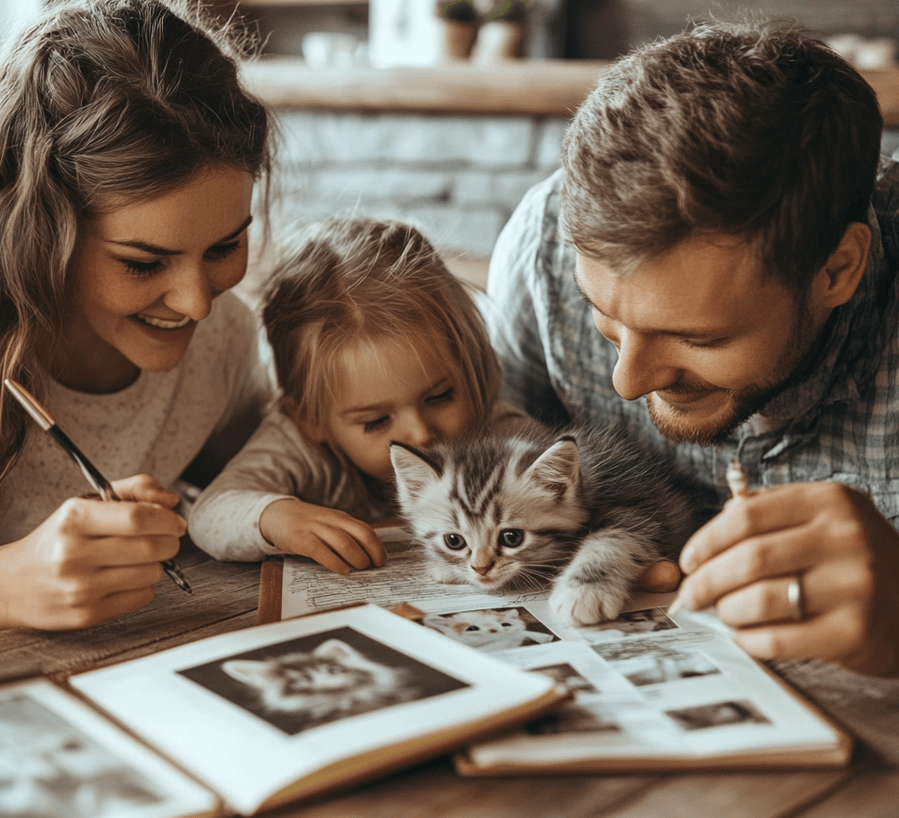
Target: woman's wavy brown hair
{"x": 103, "y": 102}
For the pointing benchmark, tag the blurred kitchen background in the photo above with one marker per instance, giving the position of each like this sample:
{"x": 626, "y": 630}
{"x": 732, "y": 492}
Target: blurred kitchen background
{"x": 444, "y": 112}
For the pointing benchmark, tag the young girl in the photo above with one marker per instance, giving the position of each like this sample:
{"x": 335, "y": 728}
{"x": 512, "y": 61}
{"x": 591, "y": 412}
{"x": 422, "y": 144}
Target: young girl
{"x": 128, "y": 155}
{"x": 374, "y": 340}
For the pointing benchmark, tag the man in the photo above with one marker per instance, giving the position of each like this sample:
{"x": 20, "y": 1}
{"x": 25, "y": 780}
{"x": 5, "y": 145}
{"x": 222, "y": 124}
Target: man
{"x": 723, "y": 219}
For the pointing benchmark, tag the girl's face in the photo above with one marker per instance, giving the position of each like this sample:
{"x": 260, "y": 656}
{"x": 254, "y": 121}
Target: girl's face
{"x": 404, "y": 391}
{"x": 146, "y": 273}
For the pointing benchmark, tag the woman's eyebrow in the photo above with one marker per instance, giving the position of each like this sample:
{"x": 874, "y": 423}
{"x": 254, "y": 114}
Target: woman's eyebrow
{"x": 156, "y": 250}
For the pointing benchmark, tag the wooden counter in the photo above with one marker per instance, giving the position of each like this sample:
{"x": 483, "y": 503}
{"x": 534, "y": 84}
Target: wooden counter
{"x": 225, "y": 598}
{"x": 534, "y": 87}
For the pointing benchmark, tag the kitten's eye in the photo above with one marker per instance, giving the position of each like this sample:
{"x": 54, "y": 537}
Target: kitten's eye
{"x": 472, "y": 628}
{"x": 506, "y": 625}
{"x": 454, "y": 541}
{"x": 511, "y": 537}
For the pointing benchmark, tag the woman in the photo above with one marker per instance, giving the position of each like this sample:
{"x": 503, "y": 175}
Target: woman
{"x": 128, "y": 155}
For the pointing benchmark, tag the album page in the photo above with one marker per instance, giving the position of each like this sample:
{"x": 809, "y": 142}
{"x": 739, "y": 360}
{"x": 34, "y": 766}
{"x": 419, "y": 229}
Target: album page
{"x": 271, "y": 713}
{"x": 650, "y": 689}
{"x": 59, "y": 757}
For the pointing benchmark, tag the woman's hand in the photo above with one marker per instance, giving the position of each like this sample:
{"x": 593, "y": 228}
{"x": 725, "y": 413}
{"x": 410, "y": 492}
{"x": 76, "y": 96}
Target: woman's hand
{"x": 90, "y": 560}
{"x": 332, "y": 538}
{"x": 832, "y": 540}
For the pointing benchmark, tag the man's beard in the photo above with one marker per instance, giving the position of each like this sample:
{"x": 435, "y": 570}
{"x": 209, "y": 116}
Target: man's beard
{"x": 793, "y": 366}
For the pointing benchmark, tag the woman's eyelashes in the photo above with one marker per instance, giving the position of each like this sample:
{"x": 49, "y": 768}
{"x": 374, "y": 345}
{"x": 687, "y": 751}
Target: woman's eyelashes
{"x": 141, "y": 268}
{"x": 146, "y": 268}
{"x": 221, "y": 251}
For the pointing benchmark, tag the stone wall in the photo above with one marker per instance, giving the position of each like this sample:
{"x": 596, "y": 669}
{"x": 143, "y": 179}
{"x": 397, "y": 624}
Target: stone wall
{"x": 457, "y": 177}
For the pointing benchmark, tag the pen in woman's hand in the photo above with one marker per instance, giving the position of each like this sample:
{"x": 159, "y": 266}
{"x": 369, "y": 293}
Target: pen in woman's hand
{"x": 98, "y": 482}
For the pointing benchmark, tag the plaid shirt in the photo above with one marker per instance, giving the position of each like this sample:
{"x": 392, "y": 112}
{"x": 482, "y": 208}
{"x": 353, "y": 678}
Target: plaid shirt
{"x": 839, "y": 424}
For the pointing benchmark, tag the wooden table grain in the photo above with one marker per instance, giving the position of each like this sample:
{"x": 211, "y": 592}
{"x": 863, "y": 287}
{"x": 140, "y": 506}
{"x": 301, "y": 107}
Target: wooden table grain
{"x": 225, "y": 599}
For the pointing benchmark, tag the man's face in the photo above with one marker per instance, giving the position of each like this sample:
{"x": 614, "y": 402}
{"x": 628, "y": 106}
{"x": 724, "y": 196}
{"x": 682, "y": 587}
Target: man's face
{"x": 702, "y": 334}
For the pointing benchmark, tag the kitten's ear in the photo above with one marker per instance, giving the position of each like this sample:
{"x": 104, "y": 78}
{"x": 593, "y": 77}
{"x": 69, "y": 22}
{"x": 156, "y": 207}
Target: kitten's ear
{"x": 413, "y": 470}
{"x": 336, "y": 650}
{"x": 557, "y": 469}
{"x": 248, "y": 671}
{"x": 437, "y": 622}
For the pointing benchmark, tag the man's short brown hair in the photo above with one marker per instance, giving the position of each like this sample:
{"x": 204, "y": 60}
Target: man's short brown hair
{"x": 744, "y": 129}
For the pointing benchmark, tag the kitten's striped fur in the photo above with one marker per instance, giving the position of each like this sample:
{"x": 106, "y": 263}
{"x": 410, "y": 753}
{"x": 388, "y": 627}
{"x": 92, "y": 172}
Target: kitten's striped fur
{"x": 583, "y": 509}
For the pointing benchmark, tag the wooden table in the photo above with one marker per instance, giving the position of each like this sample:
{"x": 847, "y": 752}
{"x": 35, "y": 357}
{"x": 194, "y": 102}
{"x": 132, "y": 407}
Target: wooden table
{"x": 225, "y": 598}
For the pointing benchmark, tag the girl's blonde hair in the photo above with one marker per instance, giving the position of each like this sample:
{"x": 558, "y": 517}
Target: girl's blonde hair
{"x": 351, "y": 280}
{"x": 102, "y": 102}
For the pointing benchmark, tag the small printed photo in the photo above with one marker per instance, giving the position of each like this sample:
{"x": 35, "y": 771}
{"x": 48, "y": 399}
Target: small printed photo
{"x": 665, "y": 666}
{"x": 575, "y": 718}
{"x": 633, "y": 649}
{"x": 565, "y": 674}
{"x": 492, "y": 629}
{"x": 649, "y": 620}
{"x": 719, "y": 714}
{"x": 50, "y": 768}
{"x": 318, "y": 679}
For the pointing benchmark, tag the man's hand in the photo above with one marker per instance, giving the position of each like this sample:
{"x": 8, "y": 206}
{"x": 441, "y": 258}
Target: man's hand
{"x": 332, "y": 538}
{"x": 90, "y": 560}
{"x": 660, "y": 578}
{"x": 844, "y": 553}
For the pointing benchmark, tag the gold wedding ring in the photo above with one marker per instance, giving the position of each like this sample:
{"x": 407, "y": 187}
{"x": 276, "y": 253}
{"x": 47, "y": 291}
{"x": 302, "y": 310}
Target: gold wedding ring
{"x": 796, "y": 598}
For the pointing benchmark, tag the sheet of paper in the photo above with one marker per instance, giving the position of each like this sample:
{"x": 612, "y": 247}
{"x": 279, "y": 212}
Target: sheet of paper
{"x": 644, "y": 684}
{"x": 58, "y": 757}
{"x": 251, "y": 712}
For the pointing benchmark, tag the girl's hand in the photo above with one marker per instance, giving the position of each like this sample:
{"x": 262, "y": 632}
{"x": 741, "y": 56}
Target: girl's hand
{"x": 90, "y": 560}
{"x": 332, "y": 538}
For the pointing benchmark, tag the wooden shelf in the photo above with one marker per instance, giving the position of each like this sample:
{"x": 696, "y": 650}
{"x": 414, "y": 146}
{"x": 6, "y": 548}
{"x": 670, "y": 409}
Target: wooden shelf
{"x": 258, "y": 3}
{"x": 536, "y": 87}
{"x": 543, "y": 87}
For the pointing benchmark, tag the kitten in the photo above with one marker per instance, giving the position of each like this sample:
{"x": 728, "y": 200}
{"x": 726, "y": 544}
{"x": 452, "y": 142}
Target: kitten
{"x": 332, "y": 681}
{"x": 585, "y": 509}
{"x": 489, "y": 629}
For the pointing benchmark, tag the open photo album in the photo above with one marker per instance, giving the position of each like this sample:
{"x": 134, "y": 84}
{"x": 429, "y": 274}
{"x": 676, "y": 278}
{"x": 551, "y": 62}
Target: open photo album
{"x": 252, "y": 719}
{"x": 650, "y": 691}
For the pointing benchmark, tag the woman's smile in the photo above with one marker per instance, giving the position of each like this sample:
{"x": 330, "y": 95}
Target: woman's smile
{"x": 164, "y": 323}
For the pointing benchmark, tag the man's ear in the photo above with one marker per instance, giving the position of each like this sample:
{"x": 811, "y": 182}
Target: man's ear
{"x": 837, "y": 281}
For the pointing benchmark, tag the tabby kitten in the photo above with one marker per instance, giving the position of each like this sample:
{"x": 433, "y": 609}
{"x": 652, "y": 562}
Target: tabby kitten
{"x": 585, "y": 509}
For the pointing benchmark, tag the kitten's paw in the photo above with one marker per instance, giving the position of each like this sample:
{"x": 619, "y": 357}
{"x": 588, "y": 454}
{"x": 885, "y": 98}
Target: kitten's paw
{"x": 587, "y": 604}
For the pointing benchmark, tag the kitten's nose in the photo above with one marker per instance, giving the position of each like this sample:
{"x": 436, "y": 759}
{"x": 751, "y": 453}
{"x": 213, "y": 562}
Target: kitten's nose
{"x": 484, "y": 569}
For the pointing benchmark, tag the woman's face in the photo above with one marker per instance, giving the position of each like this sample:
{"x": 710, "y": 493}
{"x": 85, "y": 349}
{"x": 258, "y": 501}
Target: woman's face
{"x": 146, "y": 273}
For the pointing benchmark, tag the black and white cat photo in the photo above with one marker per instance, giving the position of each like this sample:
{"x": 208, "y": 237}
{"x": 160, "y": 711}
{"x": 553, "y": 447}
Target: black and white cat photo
{"x": 583, "y": 509}
{"x": 312, "y": 681}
